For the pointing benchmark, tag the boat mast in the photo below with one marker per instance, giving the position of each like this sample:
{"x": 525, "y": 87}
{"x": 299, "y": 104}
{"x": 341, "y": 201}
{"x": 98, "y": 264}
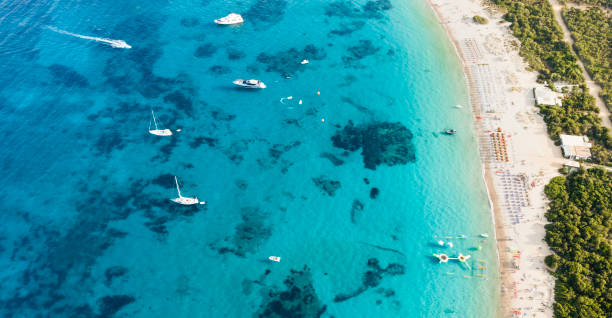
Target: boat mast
{"x": 154, "y": 121}
{"x": 177, "y": 187}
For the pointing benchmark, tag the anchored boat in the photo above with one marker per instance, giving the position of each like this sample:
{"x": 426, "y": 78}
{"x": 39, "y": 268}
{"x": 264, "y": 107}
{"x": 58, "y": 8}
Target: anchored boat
{"x": 252, "y": 83}
{"x": 157, "y": 131}
{"x": 232, "y": 18}
{"x": 181, "y": 199}
{"x": 275, "y": 258}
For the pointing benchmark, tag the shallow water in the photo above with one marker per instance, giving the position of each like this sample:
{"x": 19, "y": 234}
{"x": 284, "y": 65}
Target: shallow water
{"x": 88, "y": 227}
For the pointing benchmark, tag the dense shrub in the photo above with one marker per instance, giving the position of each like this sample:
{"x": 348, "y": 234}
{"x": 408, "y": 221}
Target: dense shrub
{"x": 542, "y": 46}
{"x": 592, "y": 33}
{"x": 580, "y": 213}
{"x": 480, "y": 20}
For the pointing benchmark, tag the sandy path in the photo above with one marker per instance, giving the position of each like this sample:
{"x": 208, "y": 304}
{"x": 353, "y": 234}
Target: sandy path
{"x": 594, "y": 88}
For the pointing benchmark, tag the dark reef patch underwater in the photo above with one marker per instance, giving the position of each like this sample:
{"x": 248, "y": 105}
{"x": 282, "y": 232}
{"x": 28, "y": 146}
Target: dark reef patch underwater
{"x": 248, "y": 234}
{"x": 372, "y": 278}
{"x": 299, "y": 299}
{"x": 287, "y": 63}
{"x": 381, "y": 143}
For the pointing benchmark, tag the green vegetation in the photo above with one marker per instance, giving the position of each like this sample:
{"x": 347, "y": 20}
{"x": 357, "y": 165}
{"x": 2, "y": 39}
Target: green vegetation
{"x": 581, "y": 204}
{"x": 480, "y": 20}
{"x": 592, "y": 33}
{"x": 578, "y": 116}
{"x": 542, "y": 46}
{"x": 605, "y": 3}
{"x": 579, "y": 234}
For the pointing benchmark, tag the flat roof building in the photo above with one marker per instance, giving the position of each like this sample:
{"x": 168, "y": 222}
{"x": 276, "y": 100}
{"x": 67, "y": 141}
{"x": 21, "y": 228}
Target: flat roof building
{"x": 576, "y": 147}
{"x": 545, "y": 96}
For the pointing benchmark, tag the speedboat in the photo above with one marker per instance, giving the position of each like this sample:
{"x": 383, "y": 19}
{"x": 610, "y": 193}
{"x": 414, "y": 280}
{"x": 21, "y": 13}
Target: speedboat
{"x": 450, "y": 132}
{"x": 441, "y": 243}
{"x": 485, "y": 235}
{"x": 232, "y": 18}
{"x": 275, "y": 258}
{"x": 249, "y": 83}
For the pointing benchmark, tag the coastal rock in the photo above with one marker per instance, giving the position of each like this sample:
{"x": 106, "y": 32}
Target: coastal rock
{"x": 268, "y": 11}
{"x": 356, "y": 207}
{"x": 219, "y": 114}
{"x": 372, "y": 278}
{"x": 327, "y": 185}
{"x": 332, "y": 158}
{"x": 372, "y": 9}
{"x": 67, "y": 76}
{"x": 110, "y": 305}
{"x": 181, "y": 100}
{"x": 347, "y": 28}
{"x": 112, "y": 272}
{"x": 234, "y": 54}
{"x": 381, "y": 143}
{"x": 362, "y": 49}
{"x": 248, "y": 234}
{"x": 219, "y": 70}
{"x": 165, "y": 181}
{"x": 374, "y": 193}
{"x": 189, "y": 22}
{"x": 287, "y": 63}
{"x": 202, "y": 140}
{"x": 299, "y": 299}
{"x": 205, "y": 50}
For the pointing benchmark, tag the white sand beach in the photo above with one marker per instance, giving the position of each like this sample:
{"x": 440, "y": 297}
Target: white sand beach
{"x": 518, "y": 156}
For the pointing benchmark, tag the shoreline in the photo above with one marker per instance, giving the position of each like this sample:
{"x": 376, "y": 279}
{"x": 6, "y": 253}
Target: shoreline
{"x": 484, "y": 54}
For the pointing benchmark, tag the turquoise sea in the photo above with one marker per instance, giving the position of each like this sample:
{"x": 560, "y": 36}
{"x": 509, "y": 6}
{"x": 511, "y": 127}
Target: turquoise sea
{"x": 352, "y": 187}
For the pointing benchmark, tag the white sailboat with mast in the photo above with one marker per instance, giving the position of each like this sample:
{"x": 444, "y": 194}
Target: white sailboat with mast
{"x": 184, "y": 200}
{"x": 157, "y": 131}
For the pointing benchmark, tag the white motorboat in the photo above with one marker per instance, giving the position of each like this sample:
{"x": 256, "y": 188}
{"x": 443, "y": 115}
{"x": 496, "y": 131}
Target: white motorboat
{"x": 275, "y": 258}
{"x": 441, "y": 243}
{"x": 232, "y": 18}
{"x": 181, "y": 199}
{"x": 485, "y": 235}
{"x": 252, "y": 83}
{"x": 157, "y": 131}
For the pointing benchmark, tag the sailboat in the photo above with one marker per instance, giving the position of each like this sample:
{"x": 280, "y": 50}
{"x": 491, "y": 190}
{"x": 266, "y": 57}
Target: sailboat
{"x": 181, "y": 199}
{"x": 157, "y": 131}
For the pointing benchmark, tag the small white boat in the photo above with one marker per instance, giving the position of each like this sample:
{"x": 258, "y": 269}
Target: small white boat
{"x": 485, "y": 235}
{"x": 449, "y": 244}
{"x": 181, "y": 199}
{"x": 252, "y": 83}
{"x": 157, "y": 131}
{"x": 232, "y": 18}
{"x": 304, "y": 62}
{"x": 462, "y": 236}
{"x": 275, "y": 258}
{"x": 441, "y": 243}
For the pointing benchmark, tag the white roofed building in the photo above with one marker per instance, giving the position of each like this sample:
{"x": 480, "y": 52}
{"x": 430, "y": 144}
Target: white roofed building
{"x": 545, "y": 96}
{"x": 576, "y": 147}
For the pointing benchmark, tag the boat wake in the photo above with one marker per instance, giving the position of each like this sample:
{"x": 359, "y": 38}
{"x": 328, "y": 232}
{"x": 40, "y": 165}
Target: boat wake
{"x": 119, "y": 44}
